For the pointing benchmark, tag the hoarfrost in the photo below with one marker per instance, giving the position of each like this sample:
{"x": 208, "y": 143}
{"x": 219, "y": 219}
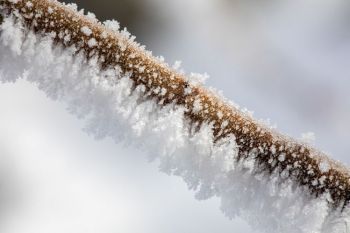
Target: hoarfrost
{"x": 177, "y": 65}
{"x": 196, "y": 78}
{"x": 29, "y": 4}
{"x": 92, "y": 42}
{"x": 112, "y": 25}
{"x": 91, "y": 16}
{"x": 50, "y": 10}
{"x": 110, "y": 106}
{"x": 281, "y": 157}
{"x": 86, "y": 30}
{"x": 308, "y": 137}
{"x": 197, "y": 105}
{"x": 324, "y": 166}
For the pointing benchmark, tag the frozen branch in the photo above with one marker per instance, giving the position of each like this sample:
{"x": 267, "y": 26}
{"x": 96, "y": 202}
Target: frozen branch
{"x": 270, "y": 152}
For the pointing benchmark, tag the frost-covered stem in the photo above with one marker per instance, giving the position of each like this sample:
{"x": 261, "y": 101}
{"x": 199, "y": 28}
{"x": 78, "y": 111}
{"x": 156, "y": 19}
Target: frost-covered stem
{"x": 270, "y": 150}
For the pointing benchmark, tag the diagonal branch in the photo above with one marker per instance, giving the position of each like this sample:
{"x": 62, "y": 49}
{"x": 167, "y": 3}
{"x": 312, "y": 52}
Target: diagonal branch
{"x": 270, "y": 150}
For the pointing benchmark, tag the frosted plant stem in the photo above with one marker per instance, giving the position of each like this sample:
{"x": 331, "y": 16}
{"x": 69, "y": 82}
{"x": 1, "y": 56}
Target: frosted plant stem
{"x": 270, "y": 152}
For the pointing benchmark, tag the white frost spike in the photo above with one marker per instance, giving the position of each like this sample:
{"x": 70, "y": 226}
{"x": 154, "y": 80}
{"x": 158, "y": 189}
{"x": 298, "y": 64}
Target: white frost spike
{"x": 197, "y": 105}
{"x": 308, "y": 137}
{"x": 86, "y": 30}
{"x": 112, "y": 25}
{"x": 12, "y": 35}
{"x": 281, "y": 157}
{"x": 91, "y": 16}
{"x": 324, "y": 166}
{"x": 177, "y": 65}
{"x": 196, "y": 78}
{"x": 92, "y": 42}
{"x": 50, "y": 10}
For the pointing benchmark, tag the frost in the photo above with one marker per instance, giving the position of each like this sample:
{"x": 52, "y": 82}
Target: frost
{"x": 72, "y": 6}
{"x": 324, "y": 166}
{"x": 29, "y": 4}
{"x": 248, "y": 112}
{"x": 322, "y": 179}
{"x": 282, "y": 157}
{"x": 92, "y": 42}
{"x": 273, "y": 149}
{"x": 12, "y": 36}
{"x": 86, "y": 30}
{"x": 125, "y": 33}
{"x": 177, "y": 65}
{"x": 196, "y": 78}
{"x": 220, "y": 114}
{"x": 91, "y": 16}
{"x": 188, "y": 90}
{"x": 197, "y": 105}
{"x": 49, "y": 10}
{"x": 111, "y": 107}
{"x": 67, "y": 38}
{"x": 308, "y": 137}
{"x": 112, "y": 25}
{"x": 224, "y": 124}
{"x": 163, "y": 91}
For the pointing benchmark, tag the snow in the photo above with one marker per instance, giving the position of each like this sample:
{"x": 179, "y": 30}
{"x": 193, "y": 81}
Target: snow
{"x": 109, "y": 105}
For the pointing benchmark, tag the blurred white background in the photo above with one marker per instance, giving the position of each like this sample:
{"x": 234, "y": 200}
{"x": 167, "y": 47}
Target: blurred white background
{"x": 286, "y": 60}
